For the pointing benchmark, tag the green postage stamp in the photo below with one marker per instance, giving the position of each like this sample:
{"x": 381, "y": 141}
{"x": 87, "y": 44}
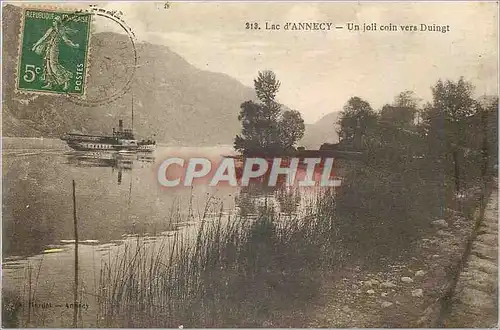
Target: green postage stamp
{"x": 53, "y": 52}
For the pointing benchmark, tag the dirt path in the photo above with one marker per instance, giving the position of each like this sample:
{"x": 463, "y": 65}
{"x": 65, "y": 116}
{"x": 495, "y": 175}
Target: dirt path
{"x": 409, "y": 292}
{"x": 475, "y": 302}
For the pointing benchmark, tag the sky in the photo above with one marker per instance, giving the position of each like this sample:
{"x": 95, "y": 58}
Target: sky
{"x": 320, "y": 70}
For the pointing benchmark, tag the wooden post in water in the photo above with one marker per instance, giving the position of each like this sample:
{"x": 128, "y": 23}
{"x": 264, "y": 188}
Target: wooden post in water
{"x": 75, "y": 223}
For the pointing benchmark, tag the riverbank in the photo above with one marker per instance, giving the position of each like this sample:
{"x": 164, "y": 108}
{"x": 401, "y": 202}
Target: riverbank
{"x": 475, "y": 300}
{"x": 413, "y": 289}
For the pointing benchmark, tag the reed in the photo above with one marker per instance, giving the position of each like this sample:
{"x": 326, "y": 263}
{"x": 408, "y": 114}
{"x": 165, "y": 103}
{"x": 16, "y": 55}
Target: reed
{"x": 230, "y": 271}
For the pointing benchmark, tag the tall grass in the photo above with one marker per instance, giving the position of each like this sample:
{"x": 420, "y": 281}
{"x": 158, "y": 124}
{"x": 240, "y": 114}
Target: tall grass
{"x": 17, "y": 306}
{"x": 235, "y": 271}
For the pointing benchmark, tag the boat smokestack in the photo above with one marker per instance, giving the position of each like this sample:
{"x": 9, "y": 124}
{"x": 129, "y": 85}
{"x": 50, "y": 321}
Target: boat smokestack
{"x": 120, "y": 125}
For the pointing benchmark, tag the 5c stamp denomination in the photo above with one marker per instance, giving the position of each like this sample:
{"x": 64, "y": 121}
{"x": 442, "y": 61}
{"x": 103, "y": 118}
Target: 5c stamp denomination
{"x": 53, "y": 52}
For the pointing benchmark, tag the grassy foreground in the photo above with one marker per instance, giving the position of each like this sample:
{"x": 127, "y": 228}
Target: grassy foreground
{"x": 243, "y": 271}
{"x": 233, "y": 272}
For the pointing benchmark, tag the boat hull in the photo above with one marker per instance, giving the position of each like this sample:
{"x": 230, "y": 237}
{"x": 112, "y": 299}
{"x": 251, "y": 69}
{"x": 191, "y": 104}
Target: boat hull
{"x": 95, "y": 146}
{"x": 146, "y": 147}
{"x": 92, "y": 146}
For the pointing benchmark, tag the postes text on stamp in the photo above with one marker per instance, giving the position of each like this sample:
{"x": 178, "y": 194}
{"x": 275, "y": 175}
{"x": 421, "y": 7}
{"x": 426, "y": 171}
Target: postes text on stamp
{"x": 53, "y": 52}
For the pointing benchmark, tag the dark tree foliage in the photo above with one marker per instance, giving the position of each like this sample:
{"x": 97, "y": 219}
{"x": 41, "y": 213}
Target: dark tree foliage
{"x": 402, "y": 112}
{"x": 291, "y": 129}
{"x": 253, "y": 135}
{"x": 448, "y": 119}
{"x": 415, "y": 168}
{"x": 266, "y": 129}
{"x": 266, "y": 87}
{"x": 483, "y": 141}
{"x": 356, "y": 121}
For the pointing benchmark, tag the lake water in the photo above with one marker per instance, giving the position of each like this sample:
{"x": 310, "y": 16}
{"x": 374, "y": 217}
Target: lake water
{"x": 117, "y": 199}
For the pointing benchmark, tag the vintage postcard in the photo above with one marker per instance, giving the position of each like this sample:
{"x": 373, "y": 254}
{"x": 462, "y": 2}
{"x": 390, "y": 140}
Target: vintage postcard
{"x": 239, "y": 164}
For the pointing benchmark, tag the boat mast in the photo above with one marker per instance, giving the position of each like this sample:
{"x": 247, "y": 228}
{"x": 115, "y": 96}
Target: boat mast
{"x": 132, "y": 110}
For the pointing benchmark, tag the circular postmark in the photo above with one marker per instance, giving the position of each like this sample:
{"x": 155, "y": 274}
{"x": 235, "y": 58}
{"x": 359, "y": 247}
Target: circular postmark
{"x": 114, "y": 59}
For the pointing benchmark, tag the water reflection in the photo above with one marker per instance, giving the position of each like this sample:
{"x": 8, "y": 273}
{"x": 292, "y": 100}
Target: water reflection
{"x": 285, "y": 199}
{"x": 115, "y": 160}
{"x": 116, "y": 195}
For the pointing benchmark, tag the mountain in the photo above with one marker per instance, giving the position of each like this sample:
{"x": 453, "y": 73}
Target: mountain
{"x": 174, "y": 100}
{"x": 324, "y": 130}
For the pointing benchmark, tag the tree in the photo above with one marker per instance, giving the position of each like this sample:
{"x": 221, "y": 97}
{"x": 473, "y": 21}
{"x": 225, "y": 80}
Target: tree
{"x": 265, "y": 129}
{"x": 406, "y": 99}
{"x": 483, "y": 137}
{"x": 291, "y": 129}
{"x": 266, "y": 88}
{"x": 402, "y": 112}
{"x": 252, "y": 136}
{"x": 490, "y": 125}
{"x": 356, "y": 120}
{"x": 446, "y": 120}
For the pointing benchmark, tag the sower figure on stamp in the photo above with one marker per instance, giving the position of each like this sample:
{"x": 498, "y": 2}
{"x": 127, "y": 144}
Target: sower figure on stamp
{"x": 48, "y": 47}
